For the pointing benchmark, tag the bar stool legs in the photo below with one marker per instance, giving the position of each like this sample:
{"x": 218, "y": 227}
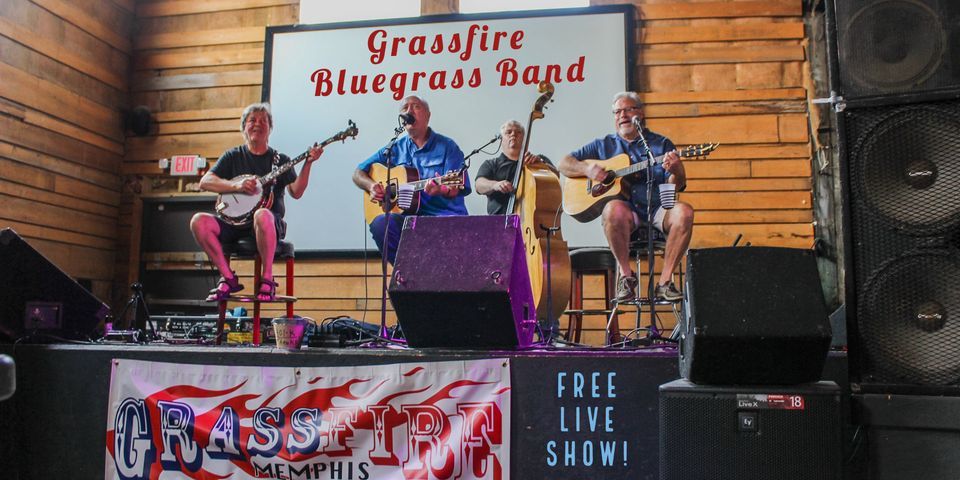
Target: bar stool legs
{"x": 575, "y": 318}
{"x": 612, "y": 331}
{"x": 643, "y": 294}
{"x": 591, "y": 261}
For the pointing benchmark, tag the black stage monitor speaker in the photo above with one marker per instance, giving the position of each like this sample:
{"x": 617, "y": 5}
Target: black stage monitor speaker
{"x": 462, "y": 282}
{"x": 754, "y": 316}
{"x": 36, "y": 296}
{"x": 750, "y": 433}
{"x": 902, "y": 186}
{"x": 897, "y": 46}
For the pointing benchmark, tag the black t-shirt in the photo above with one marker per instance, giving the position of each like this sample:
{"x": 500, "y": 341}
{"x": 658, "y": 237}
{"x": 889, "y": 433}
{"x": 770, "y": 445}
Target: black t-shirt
{"x": 240, "y": 161}
{"x": 496, "y": 169}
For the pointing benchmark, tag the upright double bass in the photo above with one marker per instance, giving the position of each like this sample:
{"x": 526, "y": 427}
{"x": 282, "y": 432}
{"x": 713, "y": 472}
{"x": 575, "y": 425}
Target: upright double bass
{"x": 537, "y": 199}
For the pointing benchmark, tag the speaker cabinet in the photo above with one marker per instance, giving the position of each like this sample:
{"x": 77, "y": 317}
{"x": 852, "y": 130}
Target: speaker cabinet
{"x": 165, "y": 228}
{"x": 748, "y": 433}
{"x": 754, "y": 315}
{"x": 909, "y": 436}
{"x": 462, "y": 282}
{"x": 901, "y": 179}
{"x": 36, "y": 296}
{"x": 897, "y": 46}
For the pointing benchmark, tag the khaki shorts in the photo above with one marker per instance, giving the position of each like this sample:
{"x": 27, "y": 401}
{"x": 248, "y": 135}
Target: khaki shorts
{"x": 657, "y": 219}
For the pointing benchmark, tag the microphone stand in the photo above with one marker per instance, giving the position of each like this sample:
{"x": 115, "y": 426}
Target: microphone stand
{"x": 652, "y": 332}
{"x": 466, "y": 160}
{"x": 135, "y": 328}
{"x": 553, "y": 322}
{"x": 384, "y": 335}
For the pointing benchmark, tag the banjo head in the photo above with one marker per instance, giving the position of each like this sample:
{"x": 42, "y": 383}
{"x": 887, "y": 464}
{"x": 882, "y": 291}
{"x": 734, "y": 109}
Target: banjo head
{"x": 238, "y": 205}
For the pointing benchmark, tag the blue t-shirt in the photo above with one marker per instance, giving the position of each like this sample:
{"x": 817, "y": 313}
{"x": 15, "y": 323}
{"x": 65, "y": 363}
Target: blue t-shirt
{"x": 612, "y": 145}
{"x": 438, "y": 156}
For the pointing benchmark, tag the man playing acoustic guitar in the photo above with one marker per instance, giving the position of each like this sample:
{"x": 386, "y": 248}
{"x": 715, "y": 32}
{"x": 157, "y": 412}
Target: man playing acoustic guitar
{"x": 624, "y": 214}
{"x": 254, "y": 157}
{"x": 426, "y": 155}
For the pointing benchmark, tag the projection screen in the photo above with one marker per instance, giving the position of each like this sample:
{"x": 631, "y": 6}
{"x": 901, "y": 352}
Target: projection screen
{"x": 475, "y": 71}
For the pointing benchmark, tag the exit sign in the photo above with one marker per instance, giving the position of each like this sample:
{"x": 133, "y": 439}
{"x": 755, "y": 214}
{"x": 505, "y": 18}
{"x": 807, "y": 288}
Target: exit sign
{"x": 186, "y": 164}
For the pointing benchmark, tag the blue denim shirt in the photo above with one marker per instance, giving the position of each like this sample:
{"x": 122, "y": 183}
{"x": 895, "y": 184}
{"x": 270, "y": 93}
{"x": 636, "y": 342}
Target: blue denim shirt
{"x": 613, "y": 145}
{"x": 438, "y": 156}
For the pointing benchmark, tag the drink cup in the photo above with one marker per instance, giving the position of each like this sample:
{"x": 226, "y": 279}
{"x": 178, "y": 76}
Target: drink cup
{"x": 289, "y": 332}
{"x": 668, "y": 195}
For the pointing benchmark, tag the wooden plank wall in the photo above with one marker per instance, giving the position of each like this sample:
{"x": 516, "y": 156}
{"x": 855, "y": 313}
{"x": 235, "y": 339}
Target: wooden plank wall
{"x": 720, "y": 71}
{"x": 63, "y": 91}
{"x": 733, "y": 72}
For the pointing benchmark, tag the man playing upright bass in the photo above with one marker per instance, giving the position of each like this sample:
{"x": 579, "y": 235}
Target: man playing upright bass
{"x": 496, "y": 175}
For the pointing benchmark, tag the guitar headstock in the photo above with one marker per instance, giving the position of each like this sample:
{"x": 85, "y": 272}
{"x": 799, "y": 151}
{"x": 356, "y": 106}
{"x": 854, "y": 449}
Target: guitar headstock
{"x": 452, "y": 178}
{"x": 700, "y": 150}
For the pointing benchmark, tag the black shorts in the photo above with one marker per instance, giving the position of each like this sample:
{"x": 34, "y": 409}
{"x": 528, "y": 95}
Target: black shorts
{"x": 231, "y": 233}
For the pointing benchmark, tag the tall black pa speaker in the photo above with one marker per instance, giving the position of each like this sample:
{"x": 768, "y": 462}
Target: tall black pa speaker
{"x": 753, "y": 316}
{"x": 898, "y": 136}
{"x": 902, "y": 184}
{"x": 462, "y": 282}
{"x": 36, "y": 296}
{"x": 897, "y": 46}
{"x": 750, "y": 433}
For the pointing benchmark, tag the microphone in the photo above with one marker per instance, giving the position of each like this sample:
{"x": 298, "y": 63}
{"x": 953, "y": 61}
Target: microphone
{"x": 407, "y": 119}
{"x": 636, "y": 122}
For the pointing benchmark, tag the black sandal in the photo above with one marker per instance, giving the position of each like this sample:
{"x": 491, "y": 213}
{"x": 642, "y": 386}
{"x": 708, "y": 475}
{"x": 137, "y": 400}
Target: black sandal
{"x": 270, "y": 294}
{"x": 233, "y": 286}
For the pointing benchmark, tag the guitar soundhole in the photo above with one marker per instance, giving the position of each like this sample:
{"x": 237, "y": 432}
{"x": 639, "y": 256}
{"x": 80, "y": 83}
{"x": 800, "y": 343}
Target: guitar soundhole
{"x": 390, "y": 196}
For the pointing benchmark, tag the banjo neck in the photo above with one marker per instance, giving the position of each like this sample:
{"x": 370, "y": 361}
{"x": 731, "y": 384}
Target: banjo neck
{"x": 276, "y": 172}
{"x": 237, "y": 208}
{"x": 280, "y": 169}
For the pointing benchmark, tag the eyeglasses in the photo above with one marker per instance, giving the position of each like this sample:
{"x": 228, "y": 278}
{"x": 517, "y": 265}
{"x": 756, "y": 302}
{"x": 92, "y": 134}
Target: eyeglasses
{"x": 622, "y": 110}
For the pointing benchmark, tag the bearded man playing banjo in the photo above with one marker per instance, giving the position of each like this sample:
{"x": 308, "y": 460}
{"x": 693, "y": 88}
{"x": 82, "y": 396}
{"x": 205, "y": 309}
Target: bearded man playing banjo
{"x": 236, "y": 172}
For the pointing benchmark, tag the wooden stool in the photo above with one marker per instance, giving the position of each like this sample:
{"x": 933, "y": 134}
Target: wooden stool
{"x": 246, "y": 248}
{"x": 586, "y": 261}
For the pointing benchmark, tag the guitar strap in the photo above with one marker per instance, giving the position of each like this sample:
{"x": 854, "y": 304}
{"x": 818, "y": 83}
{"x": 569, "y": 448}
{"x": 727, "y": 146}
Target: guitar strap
{"x": 276, "y": 157}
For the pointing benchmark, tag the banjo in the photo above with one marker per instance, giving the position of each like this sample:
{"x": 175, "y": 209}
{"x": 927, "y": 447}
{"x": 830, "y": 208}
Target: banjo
{"x": 237, "y": 208}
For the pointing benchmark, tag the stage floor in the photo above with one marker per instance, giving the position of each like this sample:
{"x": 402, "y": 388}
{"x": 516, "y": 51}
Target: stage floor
{"x": 56, "y": 421}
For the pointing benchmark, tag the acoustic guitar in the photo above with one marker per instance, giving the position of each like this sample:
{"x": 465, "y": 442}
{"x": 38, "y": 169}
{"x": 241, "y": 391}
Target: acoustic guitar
{"x": 584, "y": 199}
{"x": 237, "y": 208}
{"x": 402, "y": 194}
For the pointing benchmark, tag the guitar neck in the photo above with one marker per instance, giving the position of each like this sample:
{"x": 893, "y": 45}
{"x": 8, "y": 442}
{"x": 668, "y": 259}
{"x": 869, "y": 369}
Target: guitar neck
{"x": 636, "y": 167}
{"x": 419, "y": 185}
{"x": 703, "y": 149}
